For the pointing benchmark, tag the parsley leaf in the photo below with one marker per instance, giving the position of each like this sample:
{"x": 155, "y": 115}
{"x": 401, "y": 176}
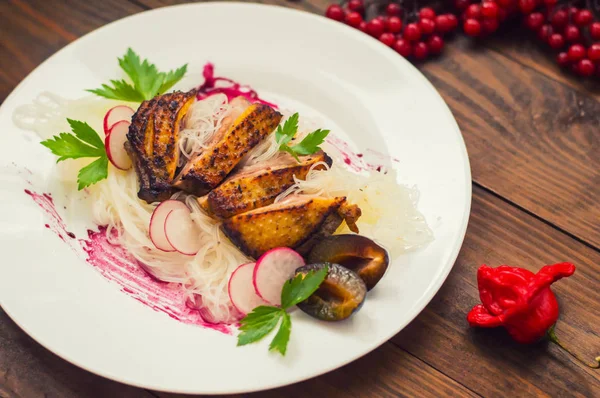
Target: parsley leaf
{"x": 308, "y": 145}
{"x": 284, "y": 134}
{"x": 147, "y": 80}
{"x": 282, "y": 337}
{"x": 121, "y": 90}
{"x": 258, "y": 324}
{"x": 302, "y": 287}
{"x": 262, "y": 320}
{"x": 92, "y": 173}
{"x": 83, "y": 142}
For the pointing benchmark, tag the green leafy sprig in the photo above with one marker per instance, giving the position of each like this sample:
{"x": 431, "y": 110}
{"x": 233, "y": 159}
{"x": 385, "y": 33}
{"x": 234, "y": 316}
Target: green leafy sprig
{"x": 262, "y": 320}
{"x": 83, "y": 142}
{"x": 309, "y": 144}
{"x": 147, "y": 80}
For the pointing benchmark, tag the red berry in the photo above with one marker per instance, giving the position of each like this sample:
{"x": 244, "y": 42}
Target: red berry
{"x": 559, "y": 19}
{"x": 452, "y": 18}
{"x": 435, "y": 44}
{"x": 576, "y": 52}
{"x": 427, "y": 12}
{"x": 535, "y": 20}
{"x": 354, "y": 19}
{"x": 335, "y": 12}
{"x": 443, "y": 24}
{"x": 363, "y": 27}
{"x": 572, "y": 33}
{"x": 489, "y": 10}
{"x": 489, "y": 25}
{"x": 550, "y": 2}
{"x": 595, "y": 30}
{"x": 474, "y": 11}
{"x": 461, "y": 4}
{"x": 356, "y": 5}
{"x": 393, "y": 9}
{"x": 572, "y": 11}
{"x": 387, "y": 38}
{"x": 420, "y": 50}
{"x": 375, "y": 27}
{"x": 583, "y": 18}
{"x": 412, "y": 32}
{"x": 427, "y": 26}
{"x": 527, "y": 6}
{"x": 593, "y": 52}
{"x": 586, "y": 67}
{"x": 403, "y": 47}
{"x": 394, "y": 25}
{"x": 472, "y": 27}
{"x": 545, "y": 32}
{"x": 563, "y": 59}
{"x": 556, "y": 41}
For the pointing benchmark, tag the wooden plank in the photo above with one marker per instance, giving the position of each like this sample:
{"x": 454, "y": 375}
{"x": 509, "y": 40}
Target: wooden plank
{"x": 486, "y": 360}
{"x": 523, "y": 46}
{"x": 32, "y": 30}
{"x": 28, "y": 370}
{"x": 385, "y": 372}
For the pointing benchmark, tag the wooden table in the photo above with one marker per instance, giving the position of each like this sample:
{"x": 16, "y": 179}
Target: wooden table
{"x": 533, "y": 138}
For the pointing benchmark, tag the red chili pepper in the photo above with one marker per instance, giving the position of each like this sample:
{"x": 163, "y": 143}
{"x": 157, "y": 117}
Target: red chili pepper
{"x": 520, "y": 301}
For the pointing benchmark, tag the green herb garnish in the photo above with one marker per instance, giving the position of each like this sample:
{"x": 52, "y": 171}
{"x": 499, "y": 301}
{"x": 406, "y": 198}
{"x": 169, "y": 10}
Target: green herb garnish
{"x": 147, "y": 80}
{"x": 308, "y": 145}
{"x": 84, "y": 142}
{"x": 262, "y": 320}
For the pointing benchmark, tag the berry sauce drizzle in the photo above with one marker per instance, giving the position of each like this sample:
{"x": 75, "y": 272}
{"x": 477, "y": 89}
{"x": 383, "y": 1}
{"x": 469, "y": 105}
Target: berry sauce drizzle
{"x": 115, "y": 264}
{"x": 228, "y": 87}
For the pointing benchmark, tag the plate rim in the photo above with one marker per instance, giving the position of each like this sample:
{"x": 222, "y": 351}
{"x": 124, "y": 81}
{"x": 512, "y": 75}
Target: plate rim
{"x": 417, "y": 308}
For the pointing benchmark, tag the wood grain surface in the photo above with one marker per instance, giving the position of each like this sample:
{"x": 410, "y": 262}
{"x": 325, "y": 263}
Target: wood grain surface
{"x": 533, "y": 142}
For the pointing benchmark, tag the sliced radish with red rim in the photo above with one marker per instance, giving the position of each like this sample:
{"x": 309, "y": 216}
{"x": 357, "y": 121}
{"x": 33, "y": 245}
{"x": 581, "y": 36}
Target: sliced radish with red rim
{"x": 272, "y": 270}
{"x": 181, "y": 232}
{"x": 157, "y": 223}
{"x": 241, "y": 290}
{"x": 115, "y": 115}
{"x": 115, "y": 145}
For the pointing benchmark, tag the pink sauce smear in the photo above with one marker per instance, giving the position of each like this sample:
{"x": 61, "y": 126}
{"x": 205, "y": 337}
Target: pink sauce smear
{"x": 227, "y": 86}
{"x": 115, "y": 264}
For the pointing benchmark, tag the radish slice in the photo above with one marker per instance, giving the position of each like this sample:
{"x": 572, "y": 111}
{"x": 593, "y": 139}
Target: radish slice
{"x": 157, "y": 223}
{"x": 272, "y": 270}
{"x": 181, "y": 232}
{"x": 241, "y": 291}
{"x": 117, "y": 114}
{"x": 115, "y": 145}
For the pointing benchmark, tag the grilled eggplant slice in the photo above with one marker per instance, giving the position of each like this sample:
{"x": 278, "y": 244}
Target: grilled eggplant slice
{"x": 234, "y": 139}
{"x": 297, "y": 223}
{"x": 258, "y": 185}
{"x": 152, "y": 142}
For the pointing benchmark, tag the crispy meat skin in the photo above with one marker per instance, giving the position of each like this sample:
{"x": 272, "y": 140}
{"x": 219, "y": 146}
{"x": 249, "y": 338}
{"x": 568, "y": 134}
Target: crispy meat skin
{"x": 296, "y": 223}
{"x": 152, "y": 143}
{"x": 205, "y": 171}
{"x": 251, "y": 187}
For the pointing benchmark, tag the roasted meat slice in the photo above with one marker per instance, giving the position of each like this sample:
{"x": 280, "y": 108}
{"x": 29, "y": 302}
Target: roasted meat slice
{"x": 152, "y": 142}
{"x": 297, "y": 223}
{"x": 258, "y": 185}
{"x": 246, "y": 126}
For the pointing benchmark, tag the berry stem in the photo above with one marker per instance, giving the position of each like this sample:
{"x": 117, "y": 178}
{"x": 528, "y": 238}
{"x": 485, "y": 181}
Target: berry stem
{"x": 551, "y": 337}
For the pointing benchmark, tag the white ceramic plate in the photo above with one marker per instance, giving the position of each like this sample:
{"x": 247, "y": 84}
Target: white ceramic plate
{"x": 367, "y": 92}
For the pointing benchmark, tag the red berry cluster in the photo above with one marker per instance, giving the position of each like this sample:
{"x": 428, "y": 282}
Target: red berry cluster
{"x": 414, "y": 35}
{"x": 570, "y": 31}
{"x": 484, "y": 18}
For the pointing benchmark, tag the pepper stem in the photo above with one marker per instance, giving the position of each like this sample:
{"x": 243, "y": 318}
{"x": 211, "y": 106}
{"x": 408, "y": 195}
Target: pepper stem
{"x": 551, "y": 337}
